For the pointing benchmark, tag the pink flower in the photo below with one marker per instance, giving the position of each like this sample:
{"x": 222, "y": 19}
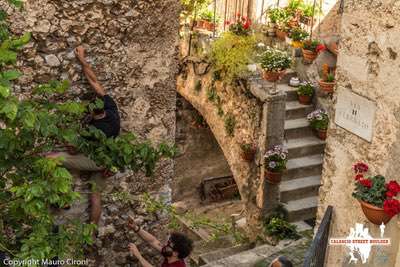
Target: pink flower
{"x": 391, "y": 207}
{"x": 366, "y": 182}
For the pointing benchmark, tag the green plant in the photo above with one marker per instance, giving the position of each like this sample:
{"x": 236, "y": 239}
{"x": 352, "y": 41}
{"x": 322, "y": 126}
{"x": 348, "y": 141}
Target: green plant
{"x": 197, "y": 86}
{"x": 276, "y": 158}
{"x": 277, "y": 15}
{"x": 280, "y": 228}
{"x": 212, "y": 94}
{"x": 189, "y": 7}
{"x": 231, "y": 54}
{"x": 247, "y": 147}
{"x": 30, "y": 182}
{"x": 318, "y": 119}
{"x": 208, "y": 15}
{"x": 306, "y": 89}
{"x": 307, "y": 10}
{"x": 275, "y": 60}
{"x": 330, "y": 78}
{"x": 241, "y": 26}
{"x": 375, "y": 191}
{"x": 230, "y": 123}
{"x": 298, "y": 34}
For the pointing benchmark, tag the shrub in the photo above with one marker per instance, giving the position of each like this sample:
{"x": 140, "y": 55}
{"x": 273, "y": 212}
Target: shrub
{"x": 275, "y": 60}
{"x": 247, "y": 147}
{"x": 231, "y": 54}
{"x": 230, "y": 123}
{"x": 305, "y": 89}
{"x": 197, "y": 86}
{"x": 241, "y": 26}
{"x": 298, "y": 34}
{"x": 280, "y": 229}
{"x": 208, "y": 15}
{"x": 277, "y": 15}
{"x": 318, "y": 119}
{"x": 276, "y": 159}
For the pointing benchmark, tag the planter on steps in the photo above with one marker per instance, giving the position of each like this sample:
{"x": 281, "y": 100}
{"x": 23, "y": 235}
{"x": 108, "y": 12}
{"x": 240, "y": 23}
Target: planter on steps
{"x": 309, "y": 56}
{"x": 305, "y": 99}
{"x": 273, "y": 177}
{"x": 374, "y": 214}
{"x": 273, "y": 76}
{"x": 321, "y": 134}
{"x": 327, "y": 86}
{"x": 281, "y": 35}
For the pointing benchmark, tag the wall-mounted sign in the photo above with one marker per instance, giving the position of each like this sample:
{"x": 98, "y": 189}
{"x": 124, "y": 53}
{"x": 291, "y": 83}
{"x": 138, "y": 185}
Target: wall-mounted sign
{"x": 355, "y": 114}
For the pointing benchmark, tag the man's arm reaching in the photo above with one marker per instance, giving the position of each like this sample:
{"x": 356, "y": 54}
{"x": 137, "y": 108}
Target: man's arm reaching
{"x": 89, "y": 73}
{"x": 135, "y": 252}
{"x": 149, "y": 238}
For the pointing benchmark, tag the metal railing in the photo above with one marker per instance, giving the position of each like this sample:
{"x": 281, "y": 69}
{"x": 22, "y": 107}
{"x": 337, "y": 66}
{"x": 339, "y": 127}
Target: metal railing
{"x": 315, "y": 256}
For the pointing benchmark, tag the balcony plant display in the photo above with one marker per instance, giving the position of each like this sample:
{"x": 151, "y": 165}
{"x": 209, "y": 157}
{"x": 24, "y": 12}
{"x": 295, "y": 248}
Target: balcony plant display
{"x": 207, "y": 20}
{"x": 274, "y": 62}
{"x": 248, "y": 152}
{"x": 241, "y": 26}
{"x": 305, "y": 93}
{"x": 275, "y": 164}
{"x": 311, "y": 48}
{"x": 298, "y": 35}
{"x": 377, "y": 198}
{"x": 328, "y": 81}
{"x": 319, "y": 121}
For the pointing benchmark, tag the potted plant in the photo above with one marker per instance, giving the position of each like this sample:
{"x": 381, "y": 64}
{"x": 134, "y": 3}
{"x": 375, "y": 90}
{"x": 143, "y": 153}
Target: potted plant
{"x": 298, "y": 35}
{"x": 377, "y": 198}
{"x": 274, "y": 62}
{"x": 319, "y": 121}
{"x": 328, "y": 81}
{"x": 275, "y": 16}
{"x": 207, "y": 20}
{"x": 311, "y": 48}
{"x": 275, "y": 164}
{"x": 248, "y": 152}
{"x": 305, "y": 93}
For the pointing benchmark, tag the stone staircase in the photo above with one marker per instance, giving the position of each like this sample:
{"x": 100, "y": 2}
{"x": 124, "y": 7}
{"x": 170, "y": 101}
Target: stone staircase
{"x": 300, "y": 184}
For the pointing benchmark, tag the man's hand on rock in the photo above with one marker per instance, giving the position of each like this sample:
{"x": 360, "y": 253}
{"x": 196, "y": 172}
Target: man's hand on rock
{"x": 134, "y": 250}
{"x": 132, "y": 224}
{"x": 80, "y": 52}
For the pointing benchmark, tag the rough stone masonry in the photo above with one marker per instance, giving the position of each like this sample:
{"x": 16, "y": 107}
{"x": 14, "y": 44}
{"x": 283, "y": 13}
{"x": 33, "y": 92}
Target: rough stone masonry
{"x": 132, "y": 45}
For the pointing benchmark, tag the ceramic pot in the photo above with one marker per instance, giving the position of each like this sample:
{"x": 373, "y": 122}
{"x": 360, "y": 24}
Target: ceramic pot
{"x": 305, "y": 99}
{"x": 327, "y": 86}
{"x": 294, "y": 81}
{"x": 374, "y": 214}
{"x": 273, "y": 177}
{"x": 321, "y": 134}
{"x": 273, "y": 76}
{"x": 309, "y": 56}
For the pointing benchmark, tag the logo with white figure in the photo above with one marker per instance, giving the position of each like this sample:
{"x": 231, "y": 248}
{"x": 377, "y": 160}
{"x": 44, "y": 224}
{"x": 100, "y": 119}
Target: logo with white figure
{"x": 359, "y": 242}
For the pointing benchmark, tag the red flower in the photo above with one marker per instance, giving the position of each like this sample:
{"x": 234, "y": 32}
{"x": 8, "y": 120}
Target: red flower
{"x": 391, "y": 207}
{"x": 238, "y": 14}
{"x": 366, "y": 182}
{"x": 390, "y": 194}
{"x": 359, "y": 177}
{"x": 246, "y": 26}
{"x": 360, "y": 167}
{"x": 393, "y": 187}
{"x": 227, "y": 22}
{"x": 320, "y": 48}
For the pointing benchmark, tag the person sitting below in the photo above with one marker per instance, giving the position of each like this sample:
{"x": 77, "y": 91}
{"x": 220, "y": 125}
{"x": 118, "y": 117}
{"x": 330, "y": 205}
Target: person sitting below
{"x": 281, "y": 261}
{"x": 177, "y": 248}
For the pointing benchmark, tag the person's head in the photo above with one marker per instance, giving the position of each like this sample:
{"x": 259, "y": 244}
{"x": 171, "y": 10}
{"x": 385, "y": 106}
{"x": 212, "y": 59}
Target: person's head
{"x": 178, "y": 245}
{"x": 281, "y": 261}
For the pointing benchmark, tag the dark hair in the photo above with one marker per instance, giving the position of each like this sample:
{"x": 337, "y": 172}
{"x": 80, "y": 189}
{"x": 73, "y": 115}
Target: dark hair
{"x": 98, "y": 111}
{"x": 181, "y": 244}
{"x": 285, "y": 262}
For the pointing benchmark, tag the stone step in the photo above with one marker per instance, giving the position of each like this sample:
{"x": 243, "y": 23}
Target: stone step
{"x": 297, "y": 128}
{"x": 299, "y": 188}
{"x": 291, "y": 92}
{"x": 295, "y": 110}
{"x": 302, "y": 226}
{"x": 303, "y": 167}
{"x": 305, "y": 146}
{"x": 203, "y": 247}
{"x": 302, "y": 209}
{"x": 222, "y": 253}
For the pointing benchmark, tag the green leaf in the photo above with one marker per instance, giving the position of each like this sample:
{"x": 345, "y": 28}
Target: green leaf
{"x": 17, "y": 3}
{"x": 4, "y": 90}
{"x": 10, "y": 109}
{"x": 11, "y": 75}
{"x": 29, "y": 119}
{"x": 7, "y": 56}
{"x": 3, "y": 15}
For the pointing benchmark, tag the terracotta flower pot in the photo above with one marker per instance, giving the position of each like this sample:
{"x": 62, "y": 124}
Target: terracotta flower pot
{"x": 327, "y": 86}
{"x": 281, "y": 35}
{"x": 249, "y": 155}
{"x": 374, "y": 214}
{"x": 321, "y": 134}
{"x": 309, "y": 56}
{"x": 305, "y": 99}
{"x": 273, "y": 76}
{"x": 273, "y": 177}
{"x": 200, "y": 23}
{"x": 210, "y": 26}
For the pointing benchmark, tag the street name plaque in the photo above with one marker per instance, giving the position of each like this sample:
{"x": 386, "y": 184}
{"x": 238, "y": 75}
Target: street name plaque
{"x": 355, "y": 113}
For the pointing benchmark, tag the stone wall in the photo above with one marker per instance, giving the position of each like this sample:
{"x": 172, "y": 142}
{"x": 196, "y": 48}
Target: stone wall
{"x": 133, "y": 48}
{"x": 367, "y": 65}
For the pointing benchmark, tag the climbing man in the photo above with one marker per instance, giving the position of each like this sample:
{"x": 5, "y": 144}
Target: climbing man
{"x": 107, "y": 120}
{"x": 177, "y": 248}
